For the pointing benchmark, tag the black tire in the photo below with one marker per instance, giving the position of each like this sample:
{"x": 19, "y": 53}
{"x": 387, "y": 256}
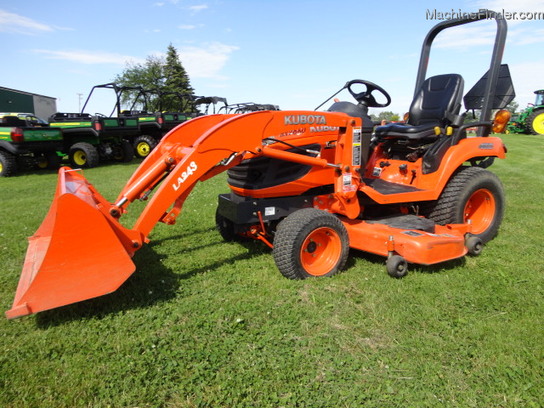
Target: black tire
{"x": 472, "y": 194}
{"x": 143, "y": 145}
{"x": 535, "y": 122}
{"x": 123, "y": 152}
{"x": 83, "y": 155}
{"x": 310, "y": 242}
{"x": 48, "y": 160}
{"x": 8, "y": 164}
{"x": 396, "y": 266}
{"x": 474, "y": 245}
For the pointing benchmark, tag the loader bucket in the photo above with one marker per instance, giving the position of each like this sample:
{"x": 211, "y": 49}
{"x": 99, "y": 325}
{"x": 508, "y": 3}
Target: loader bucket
{"x": 76, "y": 254}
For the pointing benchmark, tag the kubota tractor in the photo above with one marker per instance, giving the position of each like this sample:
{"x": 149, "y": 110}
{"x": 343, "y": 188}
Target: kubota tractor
{"x": 309, "y": 184}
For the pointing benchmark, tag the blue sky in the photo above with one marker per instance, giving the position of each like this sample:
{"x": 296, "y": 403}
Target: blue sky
{"x": 291, "y": 53}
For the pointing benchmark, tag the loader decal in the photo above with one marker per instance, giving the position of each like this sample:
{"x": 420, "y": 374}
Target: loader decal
{"x": 191, "y": 168}
{"x": 486, "y": 146}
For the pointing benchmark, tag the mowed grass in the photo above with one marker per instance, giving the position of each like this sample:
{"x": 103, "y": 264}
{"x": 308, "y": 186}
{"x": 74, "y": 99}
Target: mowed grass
{"x": 205, "y": 323}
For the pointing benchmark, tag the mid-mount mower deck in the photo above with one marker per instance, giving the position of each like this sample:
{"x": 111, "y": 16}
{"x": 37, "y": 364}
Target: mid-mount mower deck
{"x": 309, "y": 184}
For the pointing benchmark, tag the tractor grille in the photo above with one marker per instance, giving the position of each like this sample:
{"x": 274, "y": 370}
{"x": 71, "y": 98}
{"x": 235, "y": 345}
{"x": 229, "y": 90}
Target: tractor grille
{"x": 264, "y": 172}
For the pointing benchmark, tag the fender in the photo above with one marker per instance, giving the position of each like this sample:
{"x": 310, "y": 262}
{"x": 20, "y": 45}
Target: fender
{"x": 11, "y": 148}
{"x": 426, "y": 187}
{"x": 458, "y": 154}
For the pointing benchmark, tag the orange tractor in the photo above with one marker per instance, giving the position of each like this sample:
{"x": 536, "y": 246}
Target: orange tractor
{"x": 309, "y": 184}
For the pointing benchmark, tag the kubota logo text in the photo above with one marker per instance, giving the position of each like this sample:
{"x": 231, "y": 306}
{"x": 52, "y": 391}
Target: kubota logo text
{"x": 304, "y": 120}
{"x": 191, "y": 168}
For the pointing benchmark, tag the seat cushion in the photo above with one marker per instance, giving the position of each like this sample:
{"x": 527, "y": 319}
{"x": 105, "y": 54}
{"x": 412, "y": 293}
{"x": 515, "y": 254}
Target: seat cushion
{"x": 403, "y": 131}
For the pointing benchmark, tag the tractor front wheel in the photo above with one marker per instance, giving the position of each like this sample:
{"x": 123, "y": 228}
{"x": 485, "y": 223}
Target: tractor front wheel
{"x": 535, "y": 122}
{"x": 83, "y": 155}
{"x": 473, "y": 195}
{"x": 310, "y": 242}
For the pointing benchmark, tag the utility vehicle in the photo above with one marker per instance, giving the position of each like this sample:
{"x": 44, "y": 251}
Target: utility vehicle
{"x": 27, "y": 141}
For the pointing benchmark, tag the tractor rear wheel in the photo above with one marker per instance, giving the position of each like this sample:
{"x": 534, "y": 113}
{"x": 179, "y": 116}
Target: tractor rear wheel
{"x": 535, "y": 122}
{"x": 472, "y": 195}
{"x": 8, "y": 164}
{"x": 83, "y": 155}
{"x": 143, "y": 146}
{"x": 310, "y": 242}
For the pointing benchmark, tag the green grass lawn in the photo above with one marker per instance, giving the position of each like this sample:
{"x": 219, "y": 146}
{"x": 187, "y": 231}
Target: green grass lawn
{"x": 208, "y": 323}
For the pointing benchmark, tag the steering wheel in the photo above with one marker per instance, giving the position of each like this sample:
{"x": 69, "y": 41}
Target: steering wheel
{"x": 366, "y": 98}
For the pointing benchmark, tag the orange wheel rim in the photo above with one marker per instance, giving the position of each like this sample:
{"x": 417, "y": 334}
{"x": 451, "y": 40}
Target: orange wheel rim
{"x": 480, "y": 210}
{"x": 321, "y": 251}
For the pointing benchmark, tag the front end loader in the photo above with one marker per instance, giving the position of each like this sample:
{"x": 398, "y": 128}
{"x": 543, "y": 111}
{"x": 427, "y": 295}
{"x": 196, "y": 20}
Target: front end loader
{"x": 308, "y": 184}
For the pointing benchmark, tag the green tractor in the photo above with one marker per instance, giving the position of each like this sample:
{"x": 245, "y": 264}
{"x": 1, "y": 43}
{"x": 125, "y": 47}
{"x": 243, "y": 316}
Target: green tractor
{"x": 531, "y": 120}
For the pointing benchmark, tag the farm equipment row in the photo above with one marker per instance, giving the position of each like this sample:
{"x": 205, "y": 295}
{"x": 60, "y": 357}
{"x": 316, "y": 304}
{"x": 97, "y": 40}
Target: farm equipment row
{"x": 87, "y": 139}
{"x": 309, "y": 184}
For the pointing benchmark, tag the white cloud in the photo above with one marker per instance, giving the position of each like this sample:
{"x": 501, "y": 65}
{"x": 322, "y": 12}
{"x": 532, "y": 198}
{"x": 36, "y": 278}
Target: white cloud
{"x": 206, "y": 62}
{"x": 14, "y": 23}
{"x": 525, "y": 77}
{"x": 509, "y": 5}
{"x": 524, "y": 36}
{"x": 196, "y": 9}
{"x": 200, "y": 62}
{"x": 186, "y": 27}
{"x": 88, "y": 57}
{"x": 162, "y": 3}
{"x": 465, "y": 37}
{"x": 483, "y": 33}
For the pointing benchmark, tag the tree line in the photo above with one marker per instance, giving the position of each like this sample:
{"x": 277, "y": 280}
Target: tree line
{"x": 165, "y": 81}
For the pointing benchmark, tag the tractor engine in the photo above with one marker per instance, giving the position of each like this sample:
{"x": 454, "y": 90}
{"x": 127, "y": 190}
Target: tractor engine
{"x": 269, "y": 177}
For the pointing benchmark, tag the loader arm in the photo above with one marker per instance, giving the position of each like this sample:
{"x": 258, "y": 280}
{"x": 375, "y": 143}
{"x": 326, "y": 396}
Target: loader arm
{"x": 82, "y": 251}
{"x": 203, "y": 148}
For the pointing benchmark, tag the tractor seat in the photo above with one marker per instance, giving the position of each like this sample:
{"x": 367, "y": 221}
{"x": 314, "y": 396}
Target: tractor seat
{"x": 436, "y": 103}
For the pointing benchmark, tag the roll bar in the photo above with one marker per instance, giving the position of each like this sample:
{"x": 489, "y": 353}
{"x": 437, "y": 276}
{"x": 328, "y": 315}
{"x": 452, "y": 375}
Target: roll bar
{"x": 496, "y": 57}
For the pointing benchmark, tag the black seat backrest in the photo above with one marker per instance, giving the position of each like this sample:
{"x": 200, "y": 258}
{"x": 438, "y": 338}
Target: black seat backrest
{"x": 437, "y": 101}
